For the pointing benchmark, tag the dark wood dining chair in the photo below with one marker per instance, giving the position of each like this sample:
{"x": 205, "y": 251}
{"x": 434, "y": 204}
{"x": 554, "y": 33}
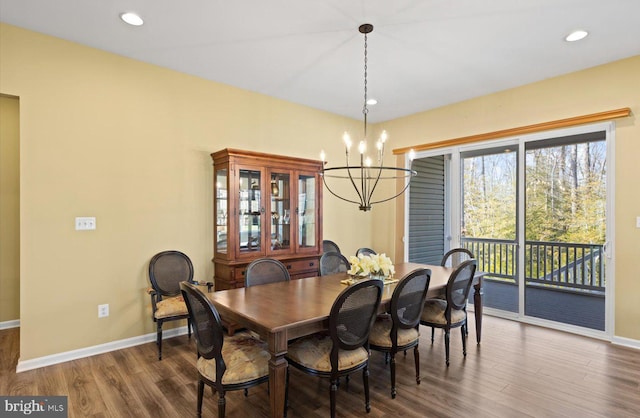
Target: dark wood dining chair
{"x": 451, "y": 312}
{"x": 166, "y": 270}
{"x": 330, "y": 246}
{"x": 345, "y": 349}
{"x": 365, "y": 251}
{"x": 399, "y": 330}
{"x": 332, "y": 262}
{"x": 224, "y": 363}
{"x": 455, "y": 256}
{"x": 265, "y": 270}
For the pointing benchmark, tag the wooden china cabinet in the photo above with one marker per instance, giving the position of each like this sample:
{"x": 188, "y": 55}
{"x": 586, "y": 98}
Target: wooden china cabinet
{"x": 265, "y": 206}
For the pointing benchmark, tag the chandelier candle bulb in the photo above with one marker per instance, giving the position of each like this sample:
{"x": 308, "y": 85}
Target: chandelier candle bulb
{"x": 347, "y": 140}
{"x": 362, "y": 147}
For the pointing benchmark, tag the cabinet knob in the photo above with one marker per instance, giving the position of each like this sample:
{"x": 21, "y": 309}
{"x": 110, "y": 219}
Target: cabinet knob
{"x": 289, "y": 266}
{"x": 311, "y": 264}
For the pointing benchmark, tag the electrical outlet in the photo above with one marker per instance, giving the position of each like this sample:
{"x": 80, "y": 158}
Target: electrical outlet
{"x": 103, "y": 310}
{"x": 85, "y": 223}
{"x": 638, "y": 222}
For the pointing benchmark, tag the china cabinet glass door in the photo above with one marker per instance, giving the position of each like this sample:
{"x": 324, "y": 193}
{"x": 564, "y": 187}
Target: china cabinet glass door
{"x": 280, "y": 223}
{"x": 250, "y": 211}
{"x": 222, "y": 210}
{"x": 307, "y": 211}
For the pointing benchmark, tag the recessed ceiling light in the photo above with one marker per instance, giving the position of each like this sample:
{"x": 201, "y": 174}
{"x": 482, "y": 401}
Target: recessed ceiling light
{"x": 372, "y": 102}
{"x": 576, "y": 35}
{"x": 132, "y": 18}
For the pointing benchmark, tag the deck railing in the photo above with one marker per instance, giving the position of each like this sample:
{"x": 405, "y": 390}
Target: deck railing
{"x": 570, "y": 266}
{"x": 494, "y": 256}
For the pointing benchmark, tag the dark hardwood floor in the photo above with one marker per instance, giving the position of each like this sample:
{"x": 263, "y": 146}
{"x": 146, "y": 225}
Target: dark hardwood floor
{"x": 518, "y": 371}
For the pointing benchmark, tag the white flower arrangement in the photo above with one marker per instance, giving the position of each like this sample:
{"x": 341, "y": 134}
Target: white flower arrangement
{"x": 375, "y": 264}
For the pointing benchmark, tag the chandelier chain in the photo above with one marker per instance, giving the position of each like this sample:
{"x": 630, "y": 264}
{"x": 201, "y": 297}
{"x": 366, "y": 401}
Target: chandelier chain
{"x": 364, "y": 108}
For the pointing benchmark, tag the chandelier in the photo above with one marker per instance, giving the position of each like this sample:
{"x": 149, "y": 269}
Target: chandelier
{"x": 365, "y": 177}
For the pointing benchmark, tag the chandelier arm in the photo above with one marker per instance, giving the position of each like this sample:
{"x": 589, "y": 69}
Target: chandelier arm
{"x": 375, "y": 184}
{"x": 406, "y": 186}
{"x": 363, "y": 182}
{"x": 336, "y": 195}
{"x": 355, "y": 187}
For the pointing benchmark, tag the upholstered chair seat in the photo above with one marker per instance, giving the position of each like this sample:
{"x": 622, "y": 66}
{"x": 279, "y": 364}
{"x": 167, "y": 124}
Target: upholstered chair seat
{"x": 434, "y": 310}
{"x": 314, "y": 352}
{"x": 170, "y": 307}
{"x": 381, "y": 333}
{"x": 246, "y": 359}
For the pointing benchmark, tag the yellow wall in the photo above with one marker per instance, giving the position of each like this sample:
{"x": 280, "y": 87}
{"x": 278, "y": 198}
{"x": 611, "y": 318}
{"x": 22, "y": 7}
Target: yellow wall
{"x": 607, "y": 87}
{"x": 9, "y": 209}
{"x": 129, "y": 143}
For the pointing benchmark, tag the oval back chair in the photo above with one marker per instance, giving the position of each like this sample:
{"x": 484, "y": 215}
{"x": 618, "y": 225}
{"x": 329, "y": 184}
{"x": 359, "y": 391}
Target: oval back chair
{"x": 265, "y": 270}
{"x": 332, "y": 262}
{"x": 166, "y": 270}
{"x": 224, "y": 363}
{"x": 451, "y": 312}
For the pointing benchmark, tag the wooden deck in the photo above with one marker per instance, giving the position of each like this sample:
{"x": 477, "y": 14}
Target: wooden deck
{"x": 574, "y": 308}
{"x": 519, "y": 370}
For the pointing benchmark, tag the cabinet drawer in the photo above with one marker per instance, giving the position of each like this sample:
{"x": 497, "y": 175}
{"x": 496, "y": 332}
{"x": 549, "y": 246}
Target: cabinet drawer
{"x": 299, "y": 266}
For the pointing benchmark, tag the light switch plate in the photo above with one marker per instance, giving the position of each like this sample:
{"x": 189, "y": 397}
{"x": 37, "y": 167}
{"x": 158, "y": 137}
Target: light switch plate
{"x": 85, "y": 223}
{"x": 637, "y": 221}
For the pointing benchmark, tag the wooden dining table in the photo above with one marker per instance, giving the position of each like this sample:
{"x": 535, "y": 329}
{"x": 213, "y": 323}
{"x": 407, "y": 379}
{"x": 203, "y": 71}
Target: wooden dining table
{"x": 280, "y": 312}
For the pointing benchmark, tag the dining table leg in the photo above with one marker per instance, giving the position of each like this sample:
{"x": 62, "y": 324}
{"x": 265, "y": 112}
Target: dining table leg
{"x": 477, "y": 308}
{"x": 277, "y": 373}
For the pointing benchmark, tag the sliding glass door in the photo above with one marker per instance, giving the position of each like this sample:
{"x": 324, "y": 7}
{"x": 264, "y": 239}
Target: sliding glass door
{"x": 489, "y": 220}
{"x": 565, "y": 229}
{"x": 534, "y": 212}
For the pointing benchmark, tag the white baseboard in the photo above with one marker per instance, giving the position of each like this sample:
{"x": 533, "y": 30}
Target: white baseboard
{"x": 10, "y": 324}
{"x": 96, "y": 349}
{"x": 143, "y": 339}
{"x": 622, "y": 341}
{"x": 626, "y": 342}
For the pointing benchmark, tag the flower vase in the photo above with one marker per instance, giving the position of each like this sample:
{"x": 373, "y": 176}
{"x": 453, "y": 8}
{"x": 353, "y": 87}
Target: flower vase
{"x": 377, "y": 276}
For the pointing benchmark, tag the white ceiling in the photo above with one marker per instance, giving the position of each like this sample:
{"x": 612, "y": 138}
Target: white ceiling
{"x": 422, "y": 53}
